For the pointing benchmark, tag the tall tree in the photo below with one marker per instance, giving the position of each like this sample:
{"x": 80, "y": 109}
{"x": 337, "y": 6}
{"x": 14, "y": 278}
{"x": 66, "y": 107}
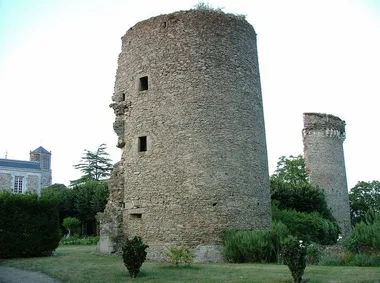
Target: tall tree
{"x": 63, "y": 197}
{"x": 364, "y": 199}
{"x": 291, "y": 170}
{"x": 299, "y": 205}
{"x": 90, "y": 198}
{"x": 290, "y": 188}
{"x": 95, "y": 165}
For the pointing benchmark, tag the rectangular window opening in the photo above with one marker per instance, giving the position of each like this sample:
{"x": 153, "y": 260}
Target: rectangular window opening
{"x": 136, "y": 215}
{"x": 123, "y": 96}
{"x": 143, "y": 85}
{"x": 18, "y": 185}
{"x": 142, "y": 144}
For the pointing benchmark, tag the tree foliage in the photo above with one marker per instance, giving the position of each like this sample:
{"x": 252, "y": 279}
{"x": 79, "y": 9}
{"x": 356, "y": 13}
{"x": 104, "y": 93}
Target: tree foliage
{"x": 290, "y": 188}
{"x": 364, "y": 198}
{"x": 70, "y": 223}
{"x": 62, "y": 197}
{"x": 299, "y": 205}
{"x": 90, "y": 198}
{"x": 310, "y": 227}
{"x": 291, "y": 170}
{"x": 302, "y": 198}
{"x": 95, "y": 165}
{"x": 83, "y": 201}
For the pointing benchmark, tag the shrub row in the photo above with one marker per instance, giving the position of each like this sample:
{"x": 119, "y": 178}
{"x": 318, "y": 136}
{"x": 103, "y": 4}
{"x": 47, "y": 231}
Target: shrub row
{"x": 76, "y": 240}
{"x": 255, "y": 246}
{"x": 28, "y": 226}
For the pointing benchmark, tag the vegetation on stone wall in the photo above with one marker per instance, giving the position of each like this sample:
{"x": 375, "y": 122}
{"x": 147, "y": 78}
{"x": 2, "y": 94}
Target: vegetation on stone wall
{"x": 29, "y": 226}
{"x": 209, "y": 7}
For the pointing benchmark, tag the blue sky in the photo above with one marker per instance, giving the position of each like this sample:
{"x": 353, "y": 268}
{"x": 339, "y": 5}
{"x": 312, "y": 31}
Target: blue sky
{"x": 58, "y": 63}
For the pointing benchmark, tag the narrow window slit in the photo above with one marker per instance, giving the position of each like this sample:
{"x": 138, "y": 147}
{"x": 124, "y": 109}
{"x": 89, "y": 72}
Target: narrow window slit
{"x": 136, "y": 215}
{"x": 142, "y": 144}
{"x": 143, "y": 84}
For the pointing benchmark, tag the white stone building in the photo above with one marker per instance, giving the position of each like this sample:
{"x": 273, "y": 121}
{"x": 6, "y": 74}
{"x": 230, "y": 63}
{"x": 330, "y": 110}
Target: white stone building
{"x": 19, "y": 176}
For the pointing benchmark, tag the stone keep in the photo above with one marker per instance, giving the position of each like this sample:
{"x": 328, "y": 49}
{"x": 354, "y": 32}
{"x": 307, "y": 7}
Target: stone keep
{"x": 189, "y": 120}
{"x": 323, "y": 137}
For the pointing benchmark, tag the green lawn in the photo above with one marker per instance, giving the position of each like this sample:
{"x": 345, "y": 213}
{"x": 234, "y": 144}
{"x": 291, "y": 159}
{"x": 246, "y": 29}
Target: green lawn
{"x": 79, "y": 264}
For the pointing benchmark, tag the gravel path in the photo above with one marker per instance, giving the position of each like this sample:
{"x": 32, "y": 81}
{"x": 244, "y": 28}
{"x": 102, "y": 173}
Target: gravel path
{"x": 14, "y": 275}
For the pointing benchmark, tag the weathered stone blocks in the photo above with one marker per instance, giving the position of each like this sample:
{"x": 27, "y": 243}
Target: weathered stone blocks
{"x": 194, "y": 159}
{"x": 323, "y": 137}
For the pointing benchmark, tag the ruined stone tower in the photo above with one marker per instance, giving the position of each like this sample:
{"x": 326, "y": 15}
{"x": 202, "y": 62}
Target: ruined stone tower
{"x": 323, "y": 137}
{"x": 189, "y": 120}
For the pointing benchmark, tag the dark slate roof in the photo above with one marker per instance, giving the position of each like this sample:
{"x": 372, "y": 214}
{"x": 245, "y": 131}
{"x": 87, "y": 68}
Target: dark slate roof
{"x": 10, "y": 163}
{"x": 40, "y": 149}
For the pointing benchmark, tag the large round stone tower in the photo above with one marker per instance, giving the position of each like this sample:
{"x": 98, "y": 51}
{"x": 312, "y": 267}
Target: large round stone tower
{"x": 323, "y": 137}
{"x": 189, "y": 119}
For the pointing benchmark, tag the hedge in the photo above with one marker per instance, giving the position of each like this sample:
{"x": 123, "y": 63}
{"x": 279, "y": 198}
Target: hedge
{"x": 29, "y": 227}
{"x": 310, "y": 227}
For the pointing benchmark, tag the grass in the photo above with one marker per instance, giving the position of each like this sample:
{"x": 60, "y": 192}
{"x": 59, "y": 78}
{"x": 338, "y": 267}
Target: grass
{"x": 81, "y": 264}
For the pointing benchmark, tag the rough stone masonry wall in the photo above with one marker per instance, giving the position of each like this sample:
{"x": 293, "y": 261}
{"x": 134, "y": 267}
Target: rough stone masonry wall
{"x": 323, "y": 137}
{"x": 189, "y": 82}
{"x": 33, "y": 184}
{"x": 111, "y": 220}
{"x": 5, "y": 181}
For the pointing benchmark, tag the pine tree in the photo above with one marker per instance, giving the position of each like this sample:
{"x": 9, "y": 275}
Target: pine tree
{"x": 95, "y": 165}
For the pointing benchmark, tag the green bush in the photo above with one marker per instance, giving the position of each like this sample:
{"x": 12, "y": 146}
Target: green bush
{"x": 301, "y": 197}
{"x": 349, "y": 259}
{"x": 365, "y": 237}
{"x": 179, "y": 255}
{"x": 29, "y": 227}
{"x": 134, "y": 255}
{"x": 294, "y": 254}
{"x": 314, "y": 254}
{"x": 76, "y": 240}
{"x": 365, "y": 260}
{"x": 254, "y": 246}
{"x": 311, "y": 227}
